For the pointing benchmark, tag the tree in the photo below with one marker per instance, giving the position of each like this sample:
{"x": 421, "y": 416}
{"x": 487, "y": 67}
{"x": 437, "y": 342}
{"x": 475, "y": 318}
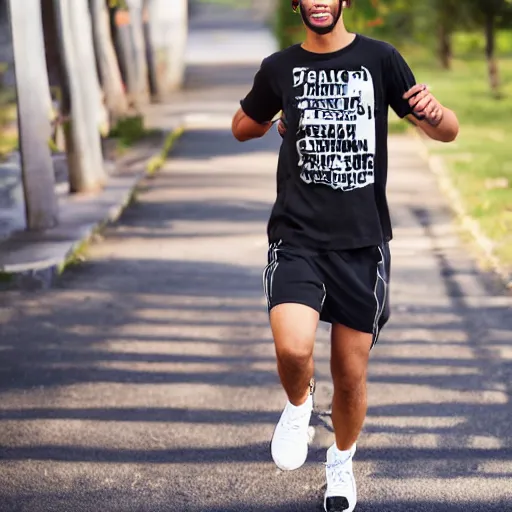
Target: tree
{"x": 132, "y": 49}
{"x": 446, "y": 18}
{"x": 83, "y": 147}
{"x": 34, "y": 114}
{"x": 56, "y": 68}
{"x": 108, "y": 66}
{"x": 486, "y": 14}
{"x": 166, "y": 41}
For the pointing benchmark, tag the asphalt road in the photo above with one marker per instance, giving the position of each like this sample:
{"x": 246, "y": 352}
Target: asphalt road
{"x": 146, "y": 380}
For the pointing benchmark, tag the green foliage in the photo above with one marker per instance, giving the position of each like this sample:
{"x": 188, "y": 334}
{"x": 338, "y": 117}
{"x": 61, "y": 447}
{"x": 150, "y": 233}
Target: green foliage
{"x": 288, "y": 26}
{"x": 157, "y": 162}
{"x": 117, "y": 4}
{"x": 472, "y": 43}
{"x": 129, "y": 130}
{"x": 8, "y": 115}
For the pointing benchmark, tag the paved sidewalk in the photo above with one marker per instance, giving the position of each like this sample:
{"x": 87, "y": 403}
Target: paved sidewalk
{"x": 146, "y": 380}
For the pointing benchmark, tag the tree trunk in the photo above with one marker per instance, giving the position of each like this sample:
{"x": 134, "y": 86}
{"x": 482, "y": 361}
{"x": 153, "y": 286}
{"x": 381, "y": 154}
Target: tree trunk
{"x": 85, "y": 159}
{"x": 445, "y": 46}
{"x": 122, "y": 43}
{"x": 34, "y": 114}
{"x": 490, "y": 51}
{"x": 56, "y": 67}
{"x": 83, "y": 34}
{"x": 51, "y": 43}
{"x": 179, "y": 32}
{"x": 108, "y": 66}
{"x": 151, "y": 55}
{"x": 168, "y": 29}
{"x": 139, "y": 83}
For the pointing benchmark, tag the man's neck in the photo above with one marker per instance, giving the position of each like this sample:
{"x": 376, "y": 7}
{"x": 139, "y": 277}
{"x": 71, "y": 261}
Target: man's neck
{"x": 336, "y": 40}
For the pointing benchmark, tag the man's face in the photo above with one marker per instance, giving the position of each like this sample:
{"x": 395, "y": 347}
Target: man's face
{"x": 320, "y": 14}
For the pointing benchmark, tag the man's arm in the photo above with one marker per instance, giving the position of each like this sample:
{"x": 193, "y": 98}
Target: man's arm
{"x": 258, "y": 108}
{"x": 244, "y": 128}
{"x": 437, "y": 122}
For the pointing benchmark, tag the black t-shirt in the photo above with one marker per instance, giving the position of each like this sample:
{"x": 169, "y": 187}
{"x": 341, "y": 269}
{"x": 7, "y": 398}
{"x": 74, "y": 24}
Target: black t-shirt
{"x": 332, "y": 170}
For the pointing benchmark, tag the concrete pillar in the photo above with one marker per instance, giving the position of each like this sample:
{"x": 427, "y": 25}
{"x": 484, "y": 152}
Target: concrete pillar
{"x": 168, "y": 35}
{"x": 110, "y": 74}
{"x": 34, "y": 114}
{"x": 140, "y": 77}
{"x": 88, "y": 116}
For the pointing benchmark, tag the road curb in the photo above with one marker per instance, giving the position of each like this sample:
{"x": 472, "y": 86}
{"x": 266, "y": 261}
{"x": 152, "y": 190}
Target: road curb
{"x": 40, "y": 272}
{"x": 438, "y": 168}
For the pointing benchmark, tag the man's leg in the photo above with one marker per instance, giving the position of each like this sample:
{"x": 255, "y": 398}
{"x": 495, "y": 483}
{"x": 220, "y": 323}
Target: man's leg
{"x": 295, "y": 295}
{"x": 294, "y": 328}
{"x": 357, "y": 296}
{"x": 350, "y": 351}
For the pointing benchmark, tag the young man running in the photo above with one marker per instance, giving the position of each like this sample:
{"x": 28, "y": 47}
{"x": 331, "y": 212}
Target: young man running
{"x": 330, "y": 226}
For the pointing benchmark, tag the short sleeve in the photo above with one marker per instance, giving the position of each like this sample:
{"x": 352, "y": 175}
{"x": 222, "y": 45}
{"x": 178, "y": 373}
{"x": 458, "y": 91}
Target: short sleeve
{"x": 399, "y": 79}
{"x": 262, "y": 103}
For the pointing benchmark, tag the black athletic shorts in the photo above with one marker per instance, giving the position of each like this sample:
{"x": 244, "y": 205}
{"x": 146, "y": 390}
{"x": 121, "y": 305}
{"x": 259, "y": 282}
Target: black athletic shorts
{"x": 347, "y": 287}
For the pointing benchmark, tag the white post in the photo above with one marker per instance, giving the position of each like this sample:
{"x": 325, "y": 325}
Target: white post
{"x": 111, "y": 80}
{"x": 82, "y": 25}
{"x": 34, "y": 114}
{"x": 141, "y": 79}
{"x": 169, "y": 33}
{"x": 177, "y": 44}
{"x": 85, "y": 159}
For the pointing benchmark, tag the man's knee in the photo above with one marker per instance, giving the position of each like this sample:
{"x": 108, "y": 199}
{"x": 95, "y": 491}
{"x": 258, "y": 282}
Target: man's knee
{"x": 295, "y": 350}
{"x": 349, "y": 380}
{"x": 294, "y": 327}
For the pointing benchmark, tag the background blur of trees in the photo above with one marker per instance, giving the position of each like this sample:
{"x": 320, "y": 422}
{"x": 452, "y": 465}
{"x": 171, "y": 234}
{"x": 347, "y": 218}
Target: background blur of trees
{"x": 75, "y": 79}
{"x": 431, "y": 24}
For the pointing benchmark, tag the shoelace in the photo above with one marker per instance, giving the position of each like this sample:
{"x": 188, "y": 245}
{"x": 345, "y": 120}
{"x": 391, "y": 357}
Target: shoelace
{"x": 338, "y": 474}
{"x": 292, "y": 424}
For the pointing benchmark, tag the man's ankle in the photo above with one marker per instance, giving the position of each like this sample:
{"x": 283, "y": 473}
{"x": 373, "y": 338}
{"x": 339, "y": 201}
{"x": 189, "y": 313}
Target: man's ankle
{"x": 305, "y": 398}
{"x": 303, "y": 402}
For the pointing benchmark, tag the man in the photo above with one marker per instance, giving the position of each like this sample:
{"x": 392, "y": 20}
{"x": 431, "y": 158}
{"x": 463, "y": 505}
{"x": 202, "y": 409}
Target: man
{"x": 330, "y": 226}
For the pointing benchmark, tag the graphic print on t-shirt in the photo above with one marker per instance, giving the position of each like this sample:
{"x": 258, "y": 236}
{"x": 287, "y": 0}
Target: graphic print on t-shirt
{"x": 336, "y": 132}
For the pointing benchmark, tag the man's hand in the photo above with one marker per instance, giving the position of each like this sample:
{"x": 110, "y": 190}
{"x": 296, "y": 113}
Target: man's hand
{"x": 425, "y": 105}
{"x": 437, "y": 122}
{"x": 282, "y": 126}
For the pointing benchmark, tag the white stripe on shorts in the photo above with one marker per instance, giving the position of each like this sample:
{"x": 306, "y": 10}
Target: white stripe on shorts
{"x": 380, "y": 307}
{"x": 270, "y": 270}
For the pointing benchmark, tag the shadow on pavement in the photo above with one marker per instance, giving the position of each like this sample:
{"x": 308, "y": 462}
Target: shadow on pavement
{"x": 132, "y": 502}
{"x": 374, "y": 506}
{"x": 101, "y": 302}
{"x": 218, "y": 143}
{"x": 199, "y": 78}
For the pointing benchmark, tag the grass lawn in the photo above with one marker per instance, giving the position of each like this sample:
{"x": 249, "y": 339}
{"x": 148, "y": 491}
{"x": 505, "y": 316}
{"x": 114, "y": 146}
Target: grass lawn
{"x": 480, "y": 161}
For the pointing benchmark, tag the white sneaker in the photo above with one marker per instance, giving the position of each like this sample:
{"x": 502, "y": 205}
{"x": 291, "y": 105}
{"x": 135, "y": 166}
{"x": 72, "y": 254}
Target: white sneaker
{"x": 341, "y": 493}
{"x": 292, "y": 435}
